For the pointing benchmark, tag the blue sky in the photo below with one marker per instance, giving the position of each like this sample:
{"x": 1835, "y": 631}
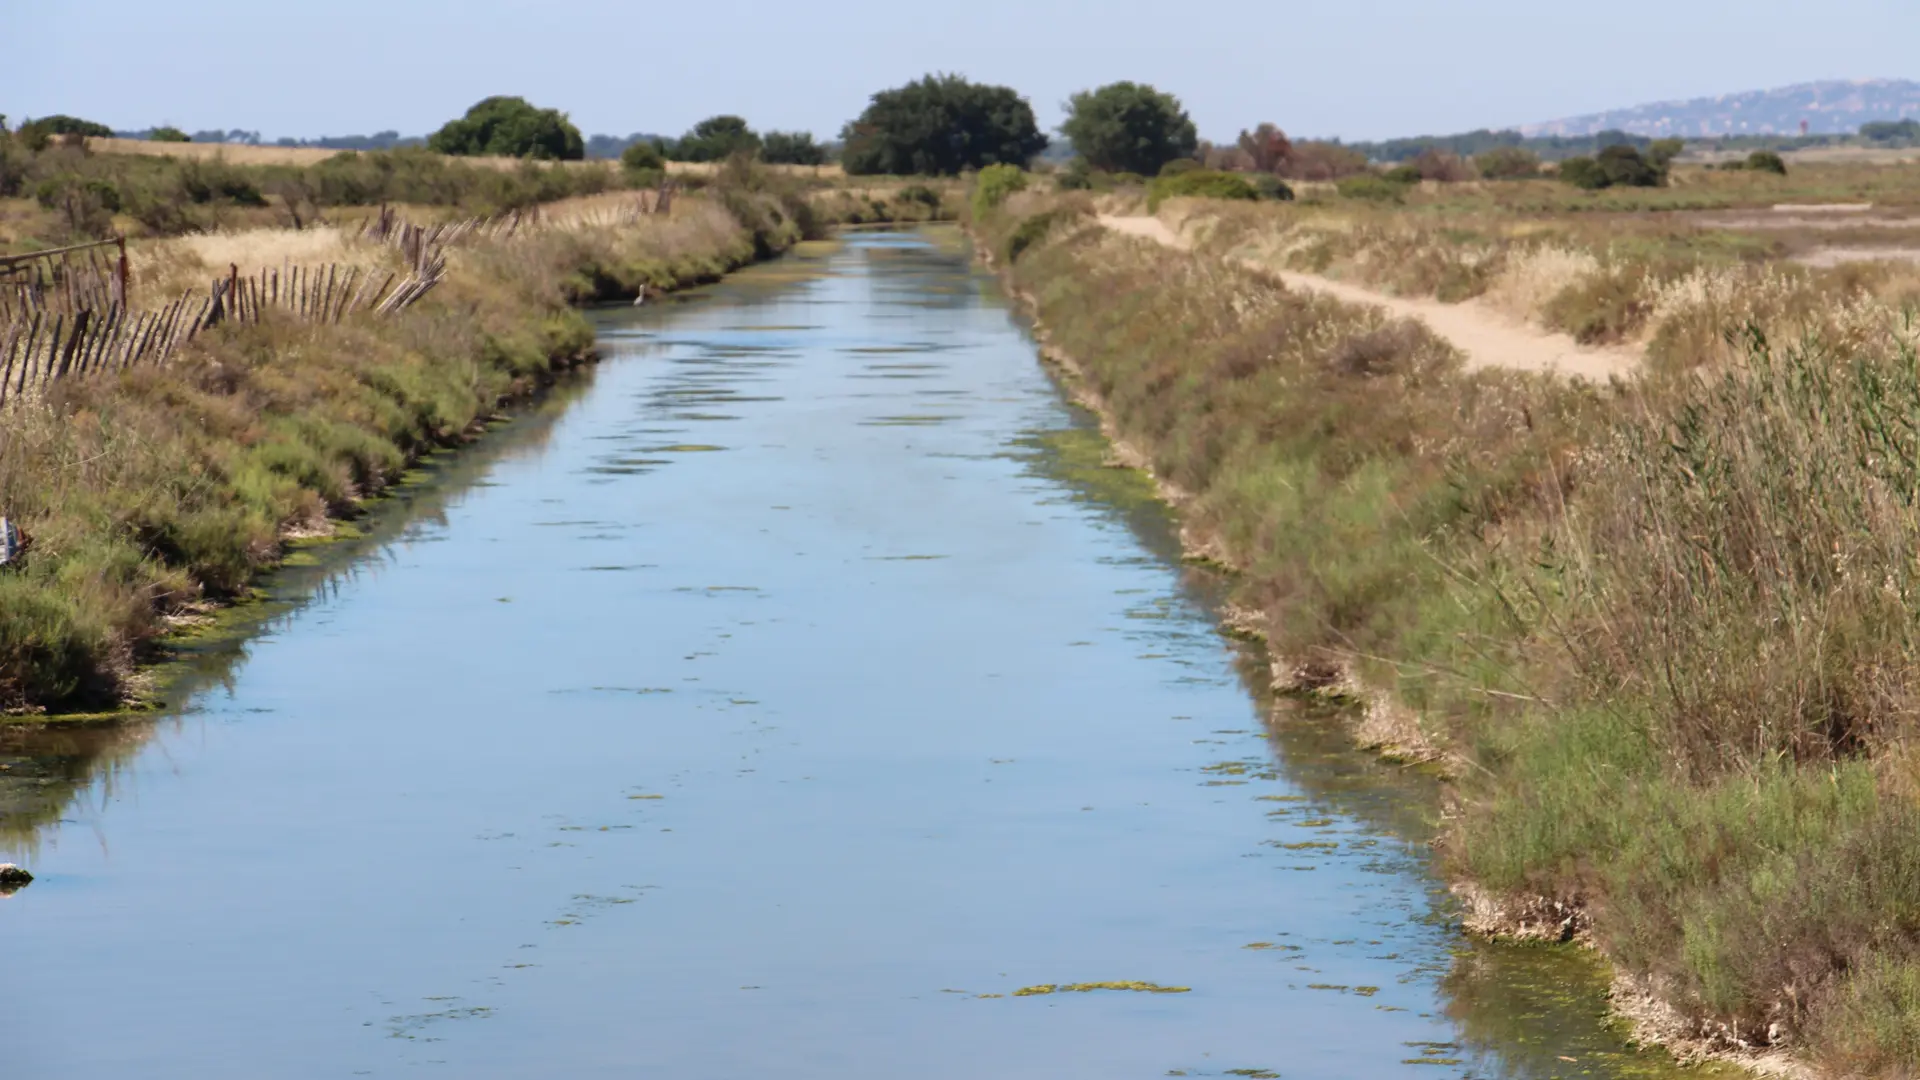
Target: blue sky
{"x": 1353, "y": 68}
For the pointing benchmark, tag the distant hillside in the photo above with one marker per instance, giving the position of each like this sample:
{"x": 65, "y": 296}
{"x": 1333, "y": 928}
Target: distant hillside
{"x": 1834, "y": 107}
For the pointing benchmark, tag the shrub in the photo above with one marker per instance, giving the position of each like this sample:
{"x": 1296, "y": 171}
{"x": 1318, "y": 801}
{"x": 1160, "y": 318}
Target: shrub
{"x": 1271, "y": 187}
{"x": 37, "y": 133}
{"x": 168, "y": 134}
{"x": 922, "y": 194}
{"x": 1180, "y": 165}
{"x": 642, "y": 157}
{"x": 1583, "y": 173}
{"x": 941, "y": 125}
{"x": 1129, "y": 127}
{"x": 1402, "y": 174}
{"x": 510, "y": 127}
{"x": 1507, "y": 163}
{"x": 1766, "y": 161}
{"x": 994, "y": 184}
{"x": 1322, "y": 161}
{"x": 1200, "y": 184}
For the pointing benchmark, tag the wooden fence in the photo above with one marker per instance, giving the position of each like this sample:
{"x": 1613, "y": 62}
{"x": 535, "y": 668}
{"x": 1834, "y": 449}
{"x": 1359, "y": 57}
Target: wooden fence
{"x": 44, "y": 347}
{"x": 64, "y": 280}
{"x": 63, "y": 317}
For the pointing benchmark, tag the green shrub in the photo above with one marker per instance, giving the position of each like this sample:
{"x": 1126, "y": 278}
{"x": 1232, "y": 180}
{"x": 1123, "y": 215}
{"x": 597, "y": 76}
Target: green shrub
{"x": 716, "y": 138}
{"x": 920, "y": 193}
{"x": 1200, "y": 184}
{"x": 1271, "y": 187}
{"x": 1507, "y": 163}
{"x": 1766, "y": 161}
{"x": 1180, "y": 165}
{"x": 1583, "y": 173}
{"x": 994, "y": 184}
{"x": 642, "y": 156}
{"x": 168, "y": 134}
{"x": 1402, "y": 174}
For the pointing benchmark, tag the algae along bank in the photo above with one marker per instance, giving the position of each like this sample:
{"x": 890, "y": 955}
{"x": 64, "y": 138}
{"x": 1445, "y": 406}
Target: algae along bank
{"x": 799, "y": 693}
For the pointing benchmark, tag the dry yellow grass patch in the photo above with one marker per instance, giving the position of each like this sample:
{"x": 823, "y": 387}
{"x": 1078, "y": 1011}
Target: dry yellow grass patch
{"x": 164, "y": 268}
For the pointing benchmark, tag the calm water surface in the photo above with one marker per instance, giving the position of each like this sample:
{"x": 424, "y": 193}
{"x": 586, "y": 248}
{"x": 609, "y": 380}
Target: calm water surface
{"x": 776, "y": 702}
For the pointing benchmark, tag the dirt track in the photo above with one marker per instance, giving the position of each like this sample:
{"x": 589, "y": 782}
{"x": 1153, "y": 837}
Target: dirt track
{"x": 1485, "y": 337}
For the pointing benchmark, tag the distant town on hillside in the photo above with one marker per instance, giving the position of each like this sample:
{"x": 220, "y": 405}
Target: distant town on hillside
{"x": 1833, "y": 107}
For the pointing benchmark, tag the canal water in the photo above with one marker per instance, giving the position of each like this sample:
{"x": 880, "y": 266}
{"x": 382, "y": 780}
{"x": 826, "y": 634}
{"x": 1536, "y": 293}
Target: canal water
{"x": 799, "y": 694}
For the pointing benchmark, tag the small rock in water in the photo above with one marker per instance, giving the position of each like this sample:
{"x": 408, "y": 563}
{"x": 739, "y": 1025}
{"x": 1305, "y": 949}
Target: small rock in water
{"x": 13, "y": 878}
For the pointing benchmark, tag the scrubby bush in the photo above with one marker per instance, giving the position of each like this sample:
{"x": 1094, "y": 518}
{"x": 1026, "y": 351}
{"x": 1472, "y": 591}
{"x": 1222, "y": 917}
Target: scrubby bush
{"x": 1402, "y": 174}
{"x": 510, "y": 127}
{"x": 994, "y": 184}
{"x": 642, "y": 157}
{"x": 920, "y": 193}
{"x": 1271, "y": 187}
{"x": 1320, "y": 160}
{"x": 1180, "y": 165}
{"x": 1129, "y": 127}
{"x": 1615, "y": 166}
{"x": 1199, "y": 184}
{"x": 1766, "y": 161}
{"x": 168, "y": 134}
{"x": 941, "y": 125}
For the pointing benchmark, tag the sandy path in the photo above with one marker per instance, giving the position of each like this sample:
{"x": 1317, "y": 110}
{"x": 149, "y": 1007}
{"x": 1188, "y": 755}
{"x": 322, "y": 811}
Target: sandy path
{"x": 1485, "y": 337}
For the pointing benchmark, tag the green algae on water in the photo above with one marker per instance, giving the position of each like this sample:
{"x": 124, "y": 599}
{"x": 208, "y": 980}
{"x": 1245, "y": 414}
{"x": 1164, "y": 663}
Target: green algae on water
{"x": 1089, "y": 987}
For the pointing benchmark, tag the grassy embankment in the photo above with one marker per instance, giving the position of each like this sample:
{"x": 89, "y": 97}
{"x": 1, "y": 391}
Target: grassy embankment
{"x": 1662, "y": 633}
{"x": 151, "y": 496}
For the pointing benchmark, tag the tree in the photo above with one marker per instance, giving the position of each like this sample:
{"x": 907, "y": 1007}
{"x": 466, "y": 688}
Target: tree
{"x": 167, "y": 134}
{"x": 510, "y": 127}
{"x": 792, "y": 148}
{"x": 1616, "y": 166}
{"x": 1129, "y": 127}
{"x": 716, "y": 138}
{"x": 941, "y": 125}
{"x": 641, "y": 156}
{"x": 1267, "y": 147}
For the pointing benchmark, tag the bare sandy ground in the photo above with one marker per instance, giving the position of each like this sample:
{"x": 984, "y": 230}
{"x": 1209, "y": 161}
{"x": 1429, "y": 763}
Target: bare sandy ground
{"x": 1486, "y": 338}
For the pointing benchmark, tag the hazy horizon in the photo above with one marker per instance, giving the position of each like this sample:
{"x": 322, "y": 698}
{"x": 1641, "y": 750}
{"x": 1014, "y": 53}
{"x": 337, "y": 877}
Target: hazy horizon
{"x": 1364, "y": 69}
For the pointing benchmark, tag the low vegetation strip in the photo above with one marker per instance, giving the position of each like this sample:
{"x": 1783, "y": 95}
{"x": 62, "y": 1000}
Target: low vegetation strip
{"x": 1660, "y": 632}
{"x": 151, "y": 494}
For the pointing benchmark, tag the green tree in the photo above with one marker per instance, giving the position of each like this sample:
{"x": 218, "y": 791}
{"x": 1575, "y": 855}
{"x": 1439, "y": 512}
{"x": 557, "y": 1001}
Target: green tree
{"x": 642, "y": 156}
{"x": 941, "y": 125}
{"x": 1129, "y": 127}
{"x": 716, "y": 138}
{"x": 1767, "y": 161}
{"x": 792, "y": 148}
{"x": 510, "y": 127}
{"x": 168, "y": 134}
